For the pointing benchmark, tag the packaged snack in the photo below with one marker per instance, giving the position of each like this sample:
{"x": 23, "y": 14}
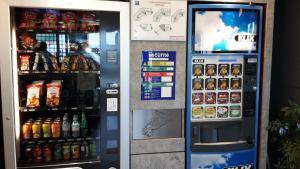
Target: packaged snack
{"x": 49, "y": 20}
{"x": 210, "y": 98}
{"x": 54, "y": 63}
{"x": 235, "y": 111}
{"x": 83, "y": 63}
{"x": 198, "y": 70}
{"x": 197, "y": 112}
{"x": 223, "y": 83}
{"x": 235, "y": 97}
{"x": 74, "y": 62}
{"x": 53, "y": 94}
{"x": 197, "y": 84}
{"x": 210, "y": 84}
{"x": 222, "y": 112}
{"x": 211, "y": 69}
{"x": 69, "y": 20}
{"x": 33, "y": 95}
{"x": 26, "y": 42}
{"x": 210, "y": 112}
{"x": 197, "y": 98}
{"x": 88, "y": 21}
{"x": 223, "y": 98}
{"x": 24, "y": 62}
{"x": 65, "y": 64}
{"x": 236, "y": 69}
{"x": 29, "y": 19}
{"x": 223, "y": 69}
{"x": 236, "y": 83}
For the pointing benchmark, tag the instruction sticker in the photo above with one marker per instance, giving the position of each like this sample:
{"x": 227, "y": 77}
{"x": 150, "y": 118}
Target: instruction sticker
{"x": 158, "y": 75}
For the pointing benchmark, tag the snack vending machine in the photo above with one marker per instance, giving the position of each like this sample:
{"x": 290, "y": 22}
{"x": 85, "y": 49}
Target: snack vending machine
{"x": 65, "y": 84}
{"x": 224, "y": 59}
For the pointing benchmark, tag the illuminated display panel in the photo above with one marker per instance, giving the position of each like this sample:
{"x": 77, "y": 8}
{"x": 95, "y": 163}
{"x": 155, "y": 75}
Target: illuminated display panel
{"x": 225, "y": 30}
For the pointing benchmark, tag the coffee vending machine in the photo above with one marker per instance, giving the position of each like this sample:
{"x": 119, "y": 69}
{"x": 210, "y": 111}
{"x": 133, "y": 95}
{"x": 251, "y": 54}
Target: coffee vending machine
{"x": 223, "y": 85}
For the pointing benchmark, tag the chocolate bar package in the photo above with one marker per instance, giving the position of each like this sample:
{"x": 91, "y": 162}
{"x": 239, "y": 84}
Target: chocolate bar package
{"x": 210, "y": 112}
{"x": 235, "y": 97}
{"x": 236, "y": 83}
{"x": 210, "y": 98}
{"x": 211, "y": 69}
{"x": 222, "y": 111}
{"x": 223, "y": 97}
{"x": 236, "y": 69}
{"x": 197, "y": 112}
{"x": 197, "y": 98}
{"x": 223, "y": 83}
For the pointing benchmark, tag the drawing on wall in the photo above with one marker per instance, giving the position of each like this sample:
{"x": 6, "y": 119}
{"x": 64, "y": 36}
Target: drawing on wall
{"x": 158, "y": 20}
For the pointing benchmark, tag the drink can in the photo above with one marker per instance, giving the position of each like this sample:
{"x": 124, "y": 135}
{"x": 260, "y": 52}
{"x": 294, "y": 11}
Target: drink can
{"x": 66, "y": 151}
{"x": 75, "y": 151}
{"x": 36, "y": 130}
{"x": 46, "y": 129}
{"x": 57, "y": 151}
{"x": 47, "y": 153}
{"x": 37, "y": 153}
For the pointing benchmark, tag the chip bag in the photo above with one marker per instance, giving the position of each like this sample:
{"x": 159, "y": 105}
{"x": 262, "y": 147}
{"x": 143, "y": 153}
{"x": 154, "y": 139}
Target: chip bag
{"x": 88, "y": 22}
{"x": 33, "y": 95}
{"x": 69, "y": 20}
{"x": 49, "y": 21}
{"x": 29, "y": 19}
{"x": 53, "y": 93}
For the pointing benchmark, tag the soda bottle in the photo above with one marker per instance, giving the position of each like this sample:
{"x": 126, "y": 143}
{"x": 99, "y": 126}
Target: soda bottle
{"x": 47, "y": 153}
{"x": 75, "y": 127}
{"x": 66, "y": 151}
{"x": 55, "y": 127}
{"x": 66, "y": 126}
{"x": 75, "y": 149}
{"x": 46, "y": 129}
{"x": 84, "y": 126}
{"x": 37, "y": 130}
{"x": 29, "y": 152}
{"x": 93, "y": 148}
{"x": 37, "y": 153}
{"x": 26, "y": 130}
{"x": 57, "y": 151}
{"x": 84, "y": 150}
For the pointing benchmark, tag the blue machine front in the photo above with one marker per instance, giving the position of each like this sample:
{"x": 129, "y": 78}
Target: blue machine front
{"x": 223, "y": 36}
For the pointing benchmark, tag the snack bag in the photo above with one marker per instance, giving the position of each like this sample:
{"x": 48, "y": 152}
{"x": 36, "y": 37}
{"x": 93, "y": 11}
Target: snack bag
{"x": 69, "y": 20}
{"x": 65, "y": 64}
{"x": 88, "y": 22}
{"x": 53, "y": 94}
{"x": 29, "y": 19}
{"x": 24, "y": 62}
{"x": 33, "y": 95}
{"x": 26, "y": 42}
{"x": 54, "y": 63}
{"x": 50, "y": 20}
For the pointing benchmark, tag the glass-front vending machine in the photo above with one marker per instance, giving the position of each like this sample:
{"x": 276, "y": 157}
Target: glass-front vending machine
{"x": 65, "y": 82}
{"x": 223, "y": 78}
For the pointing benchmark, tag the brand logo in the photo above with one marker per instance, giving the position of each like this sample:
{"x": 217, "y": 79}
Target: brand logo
{"x": 245, "y": 38}
{"x": 248, "y": 166}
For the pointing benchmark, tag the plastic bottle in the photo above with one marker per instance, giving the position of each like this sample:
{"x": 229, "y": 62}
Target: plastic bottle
{"x": 75, "y": 127}
{"x": 84, "y": 126}
{"x": 66, "y": 126}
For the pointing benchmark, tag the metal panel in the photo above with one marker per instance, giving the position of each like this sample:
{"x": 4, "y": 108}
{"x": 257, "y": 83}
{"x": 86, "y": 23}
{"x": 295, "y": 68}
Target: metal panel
{"x": 135, "y": 71}
{"x": 149, "y": 124}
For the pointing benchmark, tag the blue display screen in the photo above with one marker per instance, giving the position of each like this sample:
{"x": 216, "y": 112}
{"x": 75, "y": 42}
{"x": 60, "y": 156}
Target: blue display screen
{"x": 234, "y": 30}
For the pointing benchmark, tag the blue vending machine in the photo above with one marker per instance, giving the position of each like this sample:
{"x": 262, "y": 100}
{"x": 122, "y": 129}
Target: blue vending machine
{"x": 223, "y": 78}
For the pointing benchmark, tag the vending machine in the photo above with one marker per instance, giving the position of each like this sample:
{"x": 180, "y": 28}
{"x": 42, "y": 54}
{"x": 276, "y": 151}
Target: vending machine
{"x": 223, "y": 85}
{"x": 65, "y": 84}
